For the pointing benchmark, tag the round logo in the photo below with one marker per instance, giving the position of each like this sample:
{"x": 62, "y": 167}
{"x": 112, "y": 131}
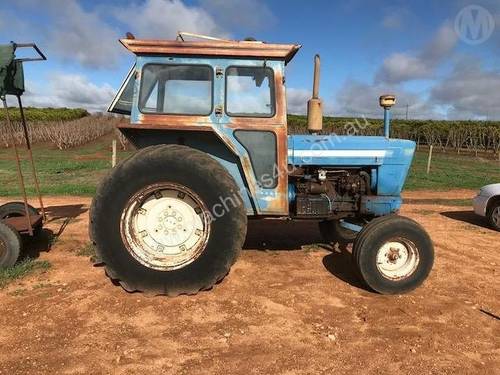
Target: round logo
{"x": 474, "y": 24}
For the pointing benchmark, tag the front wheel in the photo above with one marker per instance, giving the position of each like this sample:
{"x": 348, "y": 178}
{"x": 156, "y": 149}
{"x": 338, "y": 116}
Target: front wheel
{"x": 494, "y": 215}
{"x": 393, "y": 254}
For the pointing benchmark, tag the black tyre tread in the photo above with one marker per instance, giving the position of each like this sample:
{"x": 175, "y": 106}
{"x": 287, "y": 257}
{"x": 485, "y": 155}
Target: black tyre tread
{"x": 489, "y": 213}
{"x": 120, "y": 164}
{"x": 379, "y": 224}
{"x": 212, "y": 169}
{"x": 16, "y": 208}
{"x": 14, "y": 242}
{"x": 361, "y": 236}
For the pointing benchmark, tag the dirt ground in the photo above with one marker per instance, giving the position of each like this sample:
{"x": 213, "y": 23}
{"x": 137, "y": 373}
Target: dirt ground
{"x": 289, "y": 306}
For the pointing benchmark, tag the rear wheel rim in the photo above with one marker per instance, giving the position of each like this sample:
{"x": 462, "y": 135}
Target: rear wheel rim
{"x": 496, "y": 216}
{"x": 165, "y": 227}
{"x": 397, "y": 259}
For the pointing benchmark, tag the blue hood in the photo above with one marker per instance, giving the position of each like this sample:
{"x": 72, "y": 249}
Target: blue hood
{"x": 389, "y": 159}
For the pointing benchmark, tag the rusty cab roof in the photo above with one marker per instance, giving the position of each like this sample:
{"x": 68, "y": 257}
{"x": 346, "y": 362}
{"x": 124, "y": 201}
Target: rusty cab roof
{"x": 219, "y": 48}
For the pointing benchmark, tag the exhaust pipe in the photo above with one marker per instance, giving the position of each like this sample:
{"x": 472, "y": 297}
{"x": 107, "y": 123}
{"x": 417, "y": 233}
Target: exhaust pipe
{"x": 315, "y": 105}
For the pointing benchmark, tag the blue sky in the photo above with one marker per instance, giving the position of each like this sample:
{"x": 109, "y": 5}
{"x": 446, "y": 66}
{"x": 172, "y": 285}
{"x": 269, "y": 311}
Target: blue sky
{"x": 412, "y": 49}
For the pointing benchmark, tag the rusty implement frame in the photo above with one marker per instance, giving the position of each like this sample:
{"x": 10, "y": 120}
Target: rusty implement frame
{"x": 29, "y": 221}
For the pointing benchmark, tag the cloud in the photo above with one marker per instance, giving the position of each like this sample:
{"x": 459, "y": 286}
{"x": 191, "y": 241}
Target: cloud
{"x": 162, "y": 19}
{"x": 244, "y": 15}
{"x": 76, "y": 34}
{"x": 402, "y": 67}
{"x": 297, "y": 100}
{"x": 469, "y": 92}
{"x": 69, "y": 90}
{"x": 395, "y": 18}
{"x": 358, "y": 99}
{"x": 88, "y": 36}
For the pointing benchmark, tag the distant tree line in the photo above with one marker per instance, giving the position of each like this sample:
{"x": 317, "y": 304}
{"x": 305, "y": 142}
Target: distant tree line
{"x": 448, "y": 136}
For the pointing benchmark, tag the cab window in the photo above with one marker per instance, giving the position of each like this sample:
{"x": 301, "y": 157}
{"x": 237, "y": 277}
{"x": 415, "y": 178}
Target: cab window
{"x": 250, "y": 92}
{"x": 176, "y": 89}
{"x": 122, "y": 103}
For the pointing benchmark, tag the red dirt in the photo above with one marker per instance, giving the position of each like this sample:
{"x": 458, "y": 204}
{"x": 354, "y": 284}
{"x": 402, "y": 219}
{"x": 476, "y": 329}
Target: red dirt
{"x": 289, "y": 306}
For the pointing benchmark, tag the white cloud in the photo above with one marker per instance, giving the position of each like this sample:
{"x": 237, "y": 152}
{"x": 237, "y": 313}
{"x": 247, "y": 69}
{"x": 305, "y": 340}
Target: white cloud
{"x": 75, "y": 34}
{"x": 162, "y": 19}
{"x": 69, "y": 90}
{"x": 357, "y": 99}
{"x": 297, "y": 100}
{"x": 244, "y": 15}
{"x": 395, "y": 18}
{"x": 469, "y": 92}
{"x": 401, "y": 67}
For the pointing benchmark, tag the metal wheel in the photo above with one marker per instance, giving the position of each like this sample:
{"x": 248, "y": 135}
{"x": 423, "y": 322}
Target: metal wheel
{"x": 397, "y": 259}
{"x": 164, "y": 226}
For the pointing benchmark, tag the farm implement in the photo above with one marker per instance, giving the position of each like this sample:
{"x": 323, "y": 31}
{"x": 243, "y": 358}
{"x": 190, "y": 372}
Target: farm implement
{"x": 17, "y": 218}
{"x": 209, "y": 120}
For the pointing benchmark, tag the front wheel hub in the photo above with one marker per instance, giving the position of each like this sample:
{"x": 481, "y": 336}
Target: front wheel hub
{"x": 397, "y": 259}
{"x": 164, "y": 226}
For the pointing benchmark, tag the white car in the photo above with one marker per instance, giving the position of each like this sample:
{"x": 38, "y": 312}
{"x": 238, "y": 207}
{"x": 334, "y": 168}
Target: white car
{"x": 487, "y": 204}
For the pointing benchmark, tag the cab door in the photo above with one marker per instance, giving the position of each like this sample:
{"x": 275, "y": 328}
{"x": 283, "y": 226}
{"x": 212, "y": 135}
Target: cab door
{"x": 251, "y": 115}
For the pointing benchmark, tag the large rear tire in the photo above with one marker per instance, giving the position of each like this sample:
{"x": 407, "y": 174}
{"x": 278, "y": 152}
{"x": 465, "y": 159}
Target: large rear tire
{"x": 10, "y": 245}
{"x": 168, "y": 220}
{"x": 393, "y": 254}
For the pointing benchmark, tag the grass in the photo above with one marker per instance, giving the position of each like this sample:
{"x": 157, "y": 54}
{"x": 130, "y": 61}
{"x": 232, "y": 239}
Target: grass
{"x": 451, "y": 172}
{"x": 77, "y": 171}
{"x": 22, "y": 269}
{"x": 88, "y": 250}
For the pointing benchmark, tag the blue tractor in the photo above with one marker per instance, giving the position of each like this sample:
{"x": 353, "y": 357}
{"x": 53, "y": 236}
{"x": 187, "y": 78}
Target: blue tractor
{"x": 209, "y": 120}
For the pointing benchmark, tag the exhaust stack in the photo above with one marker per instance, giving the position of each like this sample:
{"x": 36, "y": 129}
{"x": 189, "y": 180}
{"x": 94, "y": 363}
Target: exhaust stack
{"x": 315, "y": 105}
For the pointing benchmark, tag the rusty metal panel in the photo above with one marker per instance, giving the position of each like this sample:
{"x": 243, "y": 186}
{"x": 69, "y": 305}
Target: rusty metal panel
{"x": 212, "y": 48}
{"x": 21, "y": 224}
{"x": 266, "y": 201}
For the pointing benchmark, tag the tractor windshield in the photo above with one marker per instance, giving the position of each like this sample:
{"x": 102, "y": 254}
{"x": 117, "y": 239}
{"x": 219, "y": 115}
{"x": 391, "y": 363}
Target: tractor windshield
{"x": 122, "y": 103}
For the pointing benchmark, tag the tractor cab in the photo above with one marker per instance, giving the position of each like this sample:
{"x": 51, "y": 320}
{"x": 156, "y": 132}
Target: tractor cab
{"x": 232, "y": 92}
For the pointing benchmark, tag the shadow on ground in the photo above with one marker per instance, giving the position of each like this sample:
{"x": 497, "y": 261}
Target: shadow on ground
{"x": 65, "y": 213}
{"x": 43, "y": 241}
{"x": 274, "y": 234}
{"x": 468, "y": 217}
{"x": 285, "y": 235}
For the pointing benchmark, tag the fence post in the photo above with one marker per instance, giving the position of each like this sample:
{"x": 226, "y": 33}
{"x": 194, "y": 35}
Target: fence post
{"x": 113, "y": 155}
{"x": 429, "y": 159}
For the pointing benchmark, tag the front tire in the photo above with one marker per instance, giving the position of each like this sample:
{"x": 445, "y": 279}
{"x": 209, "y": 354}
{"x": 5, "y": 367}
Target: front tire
{"x": 168, "y": 220}
{"x": 494, "y": 215}
{"x": 393, "y": 254}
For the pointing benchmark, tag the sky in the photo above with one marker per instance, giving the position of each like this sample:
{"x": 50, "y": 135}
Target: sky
{"x": 440, "y": 58}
